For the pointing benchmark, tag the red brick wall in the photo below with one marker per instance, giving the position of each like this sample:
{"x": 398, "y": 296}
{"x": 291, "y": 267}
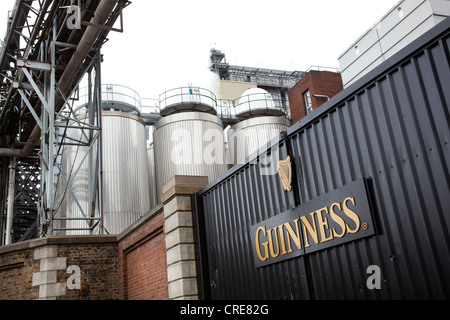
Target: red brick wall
{"x": 142, "y": 261}
{"x": 318, "y": 83}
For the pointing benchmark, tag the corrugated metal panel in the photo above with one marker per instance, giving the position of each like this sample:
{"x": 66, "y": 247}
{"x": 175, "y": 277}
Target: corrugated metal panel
{"x": 392, "y": 127}
{"x": 244, "y": 199}
{"x": 188, "y": 143}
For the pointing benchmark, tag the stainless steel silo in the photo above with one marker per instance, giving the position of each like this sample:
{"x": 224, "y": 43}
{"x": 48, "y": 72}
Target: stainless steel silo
{"x": 248, "y": 136}
{"x": 262, "y": 118}
{"x": 152, "y": 175}
{"x": 125, "y": 170}
{"x": 125, "y": 174}
{"x": 188, "y": 143}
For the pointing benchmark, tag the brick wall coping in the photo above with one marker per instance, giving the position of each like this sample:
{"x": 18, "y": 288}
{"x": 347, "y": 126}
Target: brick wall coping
{"x": 59, "y": 240}
{"x": 80, "y": 239}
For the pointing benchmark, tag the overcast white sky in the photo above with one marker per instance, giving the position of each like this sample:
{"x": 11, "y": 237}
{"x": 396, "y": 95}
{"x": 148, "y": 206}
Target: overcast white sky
{"x": 166, "y": 43}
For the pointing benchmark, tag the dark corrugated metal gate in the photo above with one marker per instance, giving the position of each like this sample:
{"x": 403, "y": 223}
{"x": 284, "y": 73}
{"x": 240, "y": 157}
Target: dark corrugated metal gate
{"x": 391, "y": 128}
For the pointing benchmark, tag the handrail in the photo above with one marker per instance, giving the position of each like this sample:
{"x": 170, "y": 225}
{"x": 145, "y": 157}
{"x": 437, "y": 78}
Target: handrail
{"x": 149, "y": 105}
{"x": 251, "y": 102}
{"x": 112, "y": 93}
{"x": 322, "y": 68}
{"x": 187, "y": 95}
{"x": 254, "y": 101}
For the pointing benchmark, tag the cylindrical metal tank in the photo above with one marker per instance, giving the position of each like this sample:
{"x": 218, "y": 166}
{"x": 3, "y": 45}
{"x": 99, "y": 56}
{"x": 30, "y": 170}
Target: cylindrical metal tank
{"x": 248, "y": 136}
{"x": 151, "y": 166}
{"x": 152, "y": 176}
{"x": 125, "y": 174}
{"x": 188, "y": 143}
{"x": 263, "y": 119}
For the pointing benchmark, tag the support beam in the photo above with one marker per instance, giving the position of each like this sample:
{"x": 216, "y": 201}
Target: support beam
{"x": 46, "y": 93}
{"x": 30, "y": 107}
{"x": 37, "y": 65}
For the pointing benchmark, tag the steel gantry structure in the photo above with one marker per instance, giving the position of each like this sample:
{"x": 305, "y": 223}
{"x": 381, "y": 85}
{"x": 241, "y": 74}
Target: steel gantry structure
{"x": 50, "y": 45}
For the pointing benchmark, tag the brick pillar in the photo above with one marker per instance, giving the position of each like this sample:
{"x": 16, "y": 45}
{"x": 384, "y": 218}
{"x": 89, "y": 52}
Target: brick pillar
{"x": 180, "y": 249}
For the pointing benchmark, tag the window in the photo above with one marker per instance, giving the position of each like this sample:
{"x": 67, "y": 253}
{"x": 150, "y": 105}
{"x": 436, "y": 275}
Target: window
{"x": 308, "y": 103}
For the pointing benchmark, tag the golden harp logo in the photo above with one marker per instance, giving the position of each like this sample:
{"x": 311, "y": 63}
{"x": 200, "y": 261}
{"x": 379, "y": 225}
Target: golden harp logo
{"x": 285, "y": 172}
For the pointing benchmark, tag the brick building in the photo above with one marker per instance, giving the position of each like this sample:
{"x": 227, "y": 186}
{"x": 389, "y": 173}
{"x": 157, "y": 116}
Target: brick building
{"x": 313, "y": 90}
{"x": 153, "y": 259}
{"x": 60, "y": 268}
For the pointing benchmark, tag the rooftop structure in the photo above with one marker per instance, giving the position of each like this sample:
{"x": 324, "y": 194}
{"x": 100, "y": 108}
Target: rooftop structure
{"x": 275, "y": 82}
{"x": 401, "y": 25}
{"x": 261, "y": 76}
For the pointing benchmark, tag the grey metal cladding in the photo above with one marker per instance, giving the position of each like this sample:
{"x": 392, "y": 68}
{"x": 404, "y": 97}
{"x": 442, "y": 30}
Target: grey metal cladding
{"x": 391, "y": 127}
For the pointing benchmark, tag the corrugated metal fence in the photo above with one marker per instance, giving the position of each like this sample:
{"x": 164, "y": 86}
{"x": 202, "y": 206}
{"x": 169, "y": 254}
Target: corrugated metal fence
{"x": 392, "y": 128}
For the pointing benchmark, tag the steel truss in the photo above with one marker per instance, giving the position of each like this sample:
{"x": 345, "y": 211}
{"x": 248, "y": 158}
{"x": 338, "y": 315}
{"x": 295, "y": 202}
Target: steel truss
{"x": 42, "y": 62}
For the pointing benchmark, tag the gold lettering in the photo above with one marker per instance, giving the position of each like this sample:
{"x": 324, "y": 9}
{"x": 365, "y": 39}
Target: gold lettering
{"x": 352, "y": 215}
{"x": 271, "y": 244}
{"x": 292, "y": 234}
{"x": 264, "y": 244}
{"x": 283, "y": 243}
{"x": 279, "y": 239}
{"x": 312, "y": 231}
{"x": 338, "y": 220}
{"x": 323, "y": 225}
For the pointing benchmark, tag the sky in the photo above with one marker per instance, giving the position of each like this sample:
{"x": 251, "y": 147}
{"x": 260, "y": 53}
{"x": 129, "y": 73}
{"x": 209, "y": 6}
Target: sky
{"x": 166, "y": 43}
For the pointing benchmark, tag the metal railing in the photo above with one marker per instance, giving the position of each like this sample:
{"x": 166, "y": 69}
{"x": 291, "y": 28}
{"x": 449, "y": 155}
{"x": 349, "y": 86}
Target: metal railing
{"x": 186, "y": 95}
{"x": 112, "y": 94}
{"x": 252, "y": 102}
{"x": 118, "y": 95}
{"x": 225, "y": 109}
{"x": 322, "y": 68}
{"x": 149, "y": 106}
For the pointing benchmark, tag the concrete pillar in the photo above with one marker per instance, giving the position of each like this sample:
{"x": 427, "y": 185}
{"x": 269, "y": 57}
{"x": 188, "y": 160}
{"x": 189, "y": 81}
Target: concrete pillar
{"x": 180, "y": 249}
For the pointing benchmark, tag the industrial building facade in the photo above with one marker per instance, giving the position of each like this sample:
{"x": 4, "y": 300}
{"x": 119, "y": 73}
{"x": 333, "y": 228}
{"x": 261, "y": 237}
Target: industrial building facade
{"x": 372, "y": 163}
{"x": 314, "y": 89}
{"x": 228, "y": 200}
{"x": 361, "y": 184}
{"x": 406, "y": 21}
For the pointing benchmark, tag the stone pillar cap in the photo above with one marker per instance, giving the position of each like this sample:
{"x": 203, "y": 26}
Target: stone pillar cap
{"x": 182, "y": 185}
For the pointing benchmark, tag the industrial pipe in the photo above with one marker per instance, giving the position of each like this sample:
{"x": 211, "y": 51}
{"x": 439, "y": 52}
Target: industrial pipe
{"x": 33, "y": 142}
{"x": 90, "y": 36}
{"x": 321, "y": 96}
